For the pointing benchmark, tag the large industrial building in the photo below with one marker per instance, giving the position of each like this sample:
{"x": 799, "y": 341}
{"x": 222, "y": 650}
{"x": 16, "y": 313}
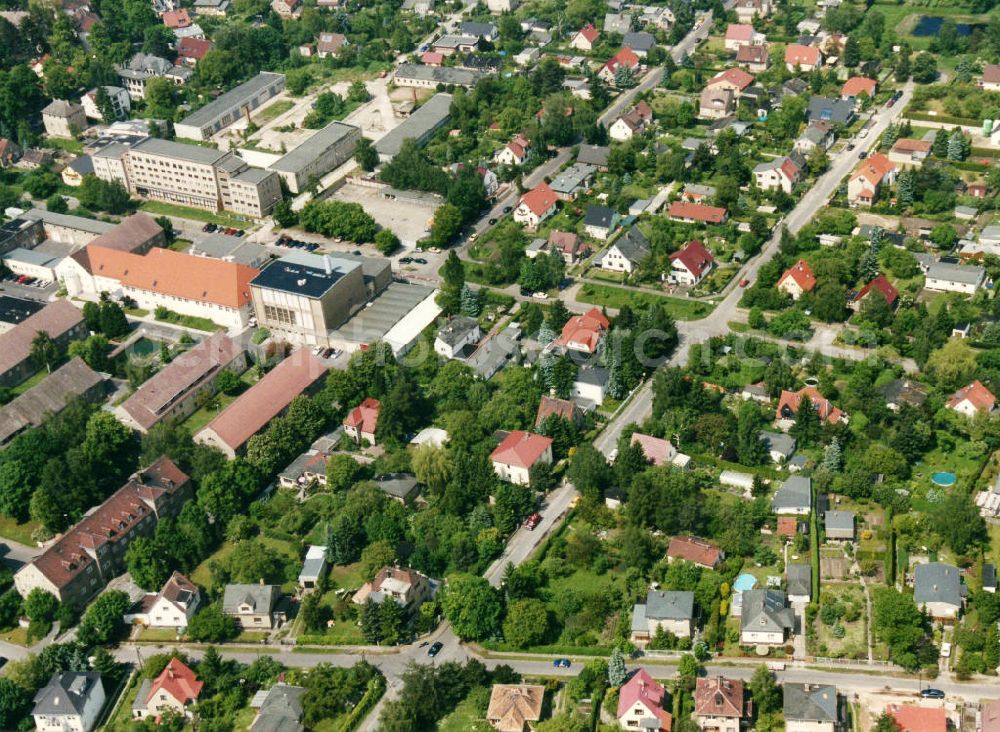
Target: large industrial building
{"x": 330, "y": 147}
{"x": 243, "y": 99}
{"x": 419, "y": 126}
{"x": 190, "y": 175}
{"x": 302, "y": 297}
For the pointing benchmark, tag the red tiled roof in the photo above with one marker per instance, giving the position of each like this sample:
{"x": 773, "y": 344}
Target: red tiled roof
{"x": 718, "y": 697}
{"x": 880, "y": 284}
{"x": 540, "y": 199}
{"x": 695, "y": 257}
{"x": 589, "y": 32}
{"x": 991, "y": 714}
{"x": 747, "y": 54}
{"x": 873, "y": 169}
{"x": 991, "y": 73}
{"x": 907, "y": 145}
{"x": 176, "y": 18}
{"x": 166, "y": 272}
{"x": 978, "y": 395}
{"x": 178, "y": 681}
{"x": 586, "y": 329}
{"x": 657, "y": 450}
{"x": 266, "y": 399}
{"x": 803, "y": 275}
{"x": 857, "y": 84}
{"x": 799, "y": 55}
{"x": 565, "y": 241}
{"x": 698, "y": 212}
{"x": 736, "y": 76}
{"x": 645, "y": 689}
{"x": 791, "y": 399}
{"x": 693, "y": 549}
{"x": 364, "y": 417}
{"x": 432, "y": 58}
{"x": 550, "y": 405}
{"x": 739, "y": 32}
{"x": 912, "y": 718}
{"x": 787, "y": 525}
{"x": 195, "y": 48}
{"x": 625, "y": 57}
{"x": 521, "y": 449}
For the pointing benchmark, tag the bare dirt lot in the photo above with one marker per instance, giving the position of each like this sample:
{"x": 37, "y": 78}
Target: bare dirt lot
{"x": 408, "y": 218}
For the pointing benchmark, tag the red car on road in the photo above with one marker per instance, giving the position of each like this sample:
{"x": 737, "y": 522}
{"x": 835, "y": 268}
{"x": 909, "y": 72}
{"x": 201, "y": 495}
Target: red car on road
{"x": 532, "y": 521}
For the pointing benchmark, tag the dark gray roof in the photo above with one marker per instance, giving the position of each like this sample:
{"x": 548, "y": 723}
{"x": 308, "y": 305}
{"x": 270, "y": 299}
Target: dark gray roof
{"x": 431, "y": 115}
{"x": 633, "y": 245}
{"x": 596, "y": 375}
{"x": 794, "y": 86}
{"x": 795, "y": 492}
{"x": 599, "y": 216}
{"x": 438, "y": 74}
{"x": 261, "y": 598}
{"x": 639, "y": 41}
{"x": 281, "y": 710}
{"x": 904, "y": 391}
{"x": 839, "y": 520}
{"x": 810, "y": 703}
{"x": 963, "y": 274}
{"x": 397, "y": 485}
{"x": 180, "y": 151}
{"x": 311, "y": 279}
{"x": 84, "y": 165}
{"x": 669, "y": 605}
{"x": 837, "y": 111}
{"x": 234, "y": 98}
{"x": 799, "y": 578}
{"x": 66, "y": 693}
{"x": 766, "y": 611}
{"x": 989, "y": 576}
{"x": 572, "y": 178}
{"x": 482, "y": 30}
{"x": 937, "y": 582}
{"x": 47, "y": 397}
{"x": 779, "y": 442}
{"x": 593, "y": 155}
{"x": 456, "y": 329}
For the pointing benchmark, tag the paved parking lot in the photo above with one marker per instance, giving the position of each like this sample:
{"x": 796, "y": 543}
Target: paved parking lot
{"x": 408, "y": 218}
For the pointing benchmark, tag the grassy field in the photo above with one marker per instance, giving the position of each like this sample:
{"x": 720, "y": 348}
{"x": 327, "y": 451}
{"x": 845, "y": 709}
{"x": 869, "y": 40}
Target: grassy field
{"x": 206, "y": 414}
{"x": 202, "y": 575}
{"x": 273, "y": 111}
{"x": 21, "y": 533}
{"x": 190, "y": 321}
{"x": 161, "y": 208}
{"x": 469, "y": 715}
{"x": 616, "y": 297}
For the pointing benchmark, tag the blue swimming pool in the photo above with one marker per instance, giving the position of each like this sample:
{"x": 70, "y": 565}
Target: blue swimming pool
{"x": 943, "y": 479}
{"x": 744, "y": 582}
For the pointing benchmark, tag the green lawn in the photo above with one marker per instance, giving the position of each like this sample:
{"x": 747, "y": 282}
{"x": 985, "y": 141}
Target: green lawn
{"x": 136, "y": 312}
{"x": 469, "y": 715}
{"x": 207, "y": 413}
{"x": 36, "y": 378}
{"x": 616, "y": 297}
{"x": 854, "y": 643}
{"x": 273, "y": 111}
{"x": 161, "y": 208}
{"x": 202, "y": 575}
{"x": 347, "y": 576}
{"x": 122, "y": 720}
{"x": 190, "y": 321}
{"x": 70, "y": 146}
{"x": 21, "y": 533}
{"x": 157, "y": 635}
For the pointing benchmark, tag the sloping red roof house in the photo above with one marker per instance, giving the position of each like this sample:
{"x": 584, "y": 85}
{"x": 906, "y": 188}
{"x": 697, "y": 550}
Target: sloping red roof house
{"x": 361, "y": 421}
{"x": 972, "y": 399}
{"x": 536, "y": 205}
{"x": 695, "y": 550}
{"x": 735, "y": 78}
{"x": 692, "y": 263}
{"x": 879, "y": 284}
{"x": 518, "y": 453}
{"x": 797, "y": 279}
{"x": 911, "y": 718}
{"x": 641, "y": 700}
{"x": 193, "y": 49}
{"x": 718, "y": 696}
{"x": 805, "y": 57}
{"x": 625, "y": 57}
{"x": 788, "y": 405}
{"x": 584, "y": 332}
{"x": 857, "y": 84}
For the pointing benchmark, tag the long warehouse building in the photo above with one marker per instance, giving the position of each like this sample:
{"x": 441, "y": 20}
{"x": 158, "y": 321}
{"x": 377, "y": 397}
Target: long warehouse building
{"x": 243, "y": 99}
{"x": 327, "y": 149}
{"x": 419, "y": 126}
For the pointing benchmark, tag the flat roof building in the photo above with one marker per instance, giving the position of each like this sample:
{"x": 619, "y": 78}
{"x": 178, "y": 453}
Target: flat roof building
{"x": 243, "y": 99}
{"x": 173, "y": 392}
{"x": 255, "y": 408}
{"x": 419, "y": 75}
{"x": 305, "y": 297}
{"x": 231, "y": 249}
{"x": 329, "y": 148}
{"x": 419, "y": 126}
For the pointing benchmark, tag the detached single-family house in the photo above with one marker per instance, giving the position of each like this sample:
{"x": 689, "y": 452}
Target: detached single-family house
{"x": 973, "y": 399}
{"x": 734, "y": 79}
{"x": 833, "y": 111}
{"x": 694, "y": 550}
{"x": 907, "y": 152}
{"x": 572, "y": 181}
{"x": 361, "y": 422}
{"x": 620, "y": 23}
{"x": 585, "y": 38}
{"x": 583, "y": 333}
{"x": 624, "y": 59}
{"x": 765, "y": 618}
{"x": 811, "y": 708}
{"x": 948, "y": 277}
{"x": 591, "y": 384}
{"x": 628, "y": 251}
{"x": 696, "y": 213}
{"x": 720, "y": 705}
{"x": 330, "y": 44}
{"x": 937, "y": 590}
{"x": 798, "y": 583}
{"x": 789, "y": 402}
{"x": 839, "y": 525}
{"x": 279, "y": 709}
{"x": 739, "y": 34}
{"x": 172, "y": 607}
{"x": 562, "y": 408}
{"x": 518, "y": 453}
{"x": 881, "y": 285}
{"x": 716, "y": 103}
{"x": 854, "y": 87}
{"x": 514, "y": 152}
{"x": 513, "y": 707}
{"x": 596, "y": 155}
{"x": 64, "y": 119}
{"x": 408, "y": 588}
{"x": 600, "y": 221}
{"x": 632, "y": 123}
{"x": 780, "y": 446}
{"x": 754, "y": 58}
{"x": 781, "y": 173}
{"x": 868, "y": 179}
{"x": 797, "y": 280}
{"x": 690, "y": 265}
{"x": 802, "y": 58}
{"x": 70, "y": 702}
{"x": 747, "y": 10}
{"x": 174, "y": 690}
{"x": 903, "y": 391}
{"x": 642, "y": 42}
{"x": 568, "y": 244}
{"x": 659, "y": 451}
{"x": 990, "y": 80}
{"x": 793, "y": 497}
{"x": 672, "y": 611}
{"x": 535, "y": 206}
{"x": 457, "y": 336}
{"x": 253, "y": 606}
{"x": 818, "y": 134}
{"x": 642, "y": 704}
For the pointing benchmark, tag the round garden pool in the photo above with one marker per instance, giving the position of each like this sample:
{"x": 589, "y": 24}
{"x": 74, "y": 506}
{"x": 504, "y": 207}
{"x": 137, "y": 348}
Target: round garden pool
{"x": 943, "y": 479}
{"x": 744, "y": 582}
